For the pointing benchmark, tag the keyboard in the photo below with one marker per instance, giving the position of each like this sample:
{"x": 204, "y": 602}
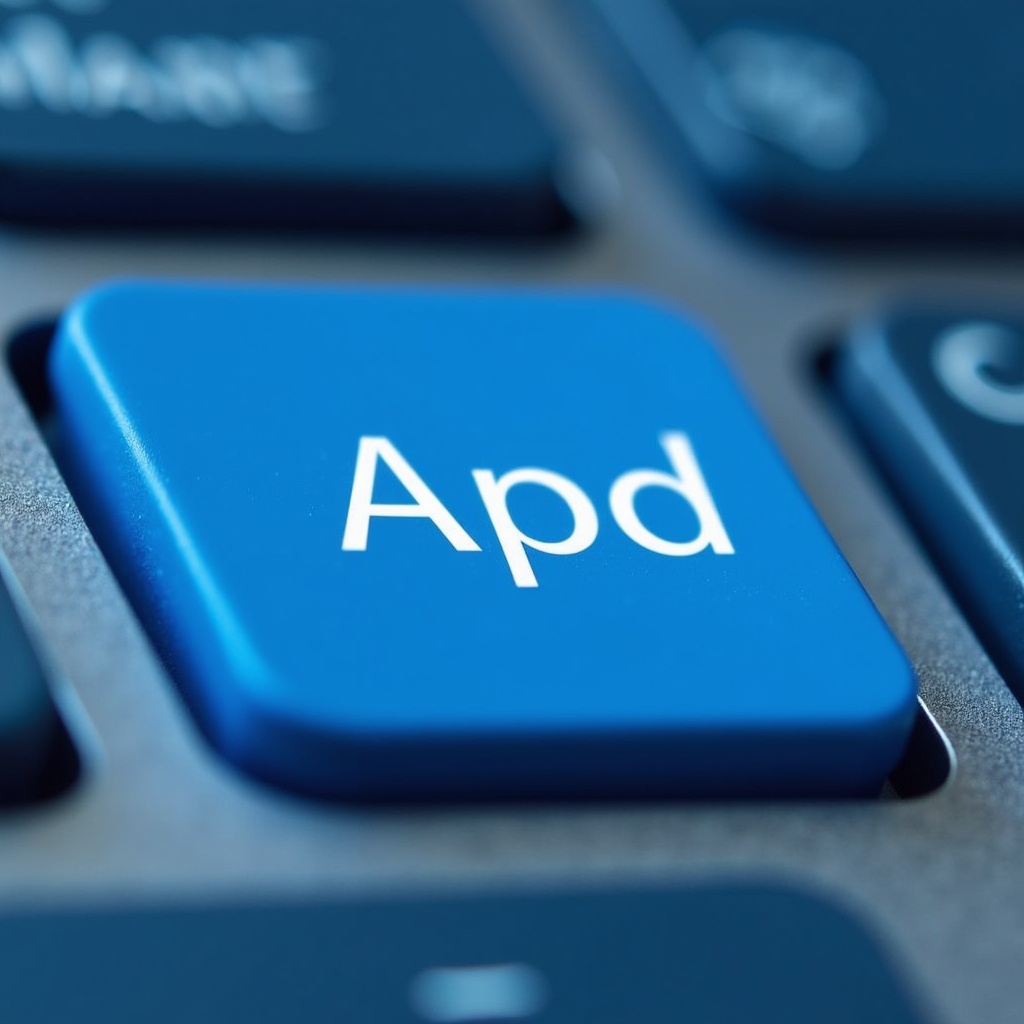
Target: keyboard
{"x": 510, "y": 511}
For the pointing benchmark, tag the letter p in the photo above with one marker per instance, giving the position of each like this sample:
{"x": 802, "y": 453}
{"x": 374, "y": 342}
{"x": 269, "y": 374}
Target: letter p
{"x": 514, "y": 542}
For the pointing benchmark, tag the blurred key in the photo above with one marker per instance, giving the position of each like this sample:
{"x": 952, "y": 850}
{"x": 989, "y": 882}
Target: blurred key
{"x": 710, "y": 955}
{"x": 844, "y": 119}
{"x": 31, "y": 735}
{"x": 380, "y": 114}
{"x": 939, "y": 398}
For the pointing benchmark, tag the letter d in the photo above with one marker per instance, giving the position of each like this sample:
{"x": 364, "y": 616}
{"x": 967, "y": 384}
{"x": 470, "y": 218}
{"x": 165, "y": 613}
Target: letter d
{"x": 688, "y": 482}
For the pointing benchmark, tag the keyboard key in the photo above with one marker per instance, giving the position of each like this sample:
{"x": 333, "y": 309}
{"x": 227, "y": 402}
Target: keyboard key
{"x": 839, "y": 120}
{"x": 939, "y": 398}
{"x": 712, "y": 954}
{"x": 33, "y": 759}
{"x": 413, "y": 545}
{"x": 392, "y": 114}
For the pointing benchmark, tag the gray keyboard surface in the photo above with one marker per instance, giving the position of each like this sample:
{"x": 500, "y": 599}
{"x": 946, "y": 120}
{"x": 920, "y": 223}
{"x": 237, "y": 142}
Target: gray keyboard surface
{"x": 156, "y": 815}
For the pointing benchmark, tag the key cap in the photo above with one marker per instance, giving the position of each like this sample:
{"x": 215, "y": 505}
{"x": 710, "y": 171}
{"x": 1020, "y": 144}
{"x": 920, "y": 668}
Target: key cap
{"x": 411, "y": 545}
{"x": 387, "y": 115}
{"x": 838, "y": 120}
{"x": 939, "y": 398}
{"x": 712, "y": 954}
{"x": 33, "y": 761}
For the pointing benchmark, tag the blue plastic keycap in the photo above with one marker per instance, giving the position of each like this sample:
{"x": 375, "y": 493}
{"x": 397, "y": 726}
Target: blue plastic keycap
{"x": 431, "y": 545}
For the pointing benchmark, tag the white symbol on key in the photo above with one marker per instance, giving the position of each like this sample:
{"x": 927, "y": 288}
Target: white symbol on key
{"x": 451, "y": 995}
{"x": 803, "y": 94}
{"x": 964, "y": 358}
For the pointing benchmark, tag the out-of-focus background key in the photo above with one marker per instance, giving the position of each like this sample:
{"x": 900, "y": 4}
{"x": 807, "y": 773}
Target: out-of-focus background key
{"x": 829, "y": 120}
{"x": 389, "y": 115}
{"x": 711, "y": 955}
{"x": 939, "y": 397}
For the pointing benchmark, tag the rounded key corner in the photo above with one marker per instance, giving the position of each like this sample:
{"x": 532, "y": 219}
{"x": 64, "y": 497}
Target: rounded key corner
{"x": 898, "y": 700}
{"x": 890, "y": 728}
{"x": 94, "y": 300}
{"x": 649, "y": 308}
{"x": 658, "y": 307}
{"x": 863, "y": 357}
{"x": 77, "y": 322}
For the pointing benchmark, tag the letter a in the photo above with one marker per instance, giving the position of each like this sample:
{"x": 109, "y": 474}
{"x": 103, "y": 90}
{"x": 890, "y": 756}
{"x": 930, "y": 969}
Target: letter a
{"x": 688, "y": 482}
{"x": 425, "y": 504}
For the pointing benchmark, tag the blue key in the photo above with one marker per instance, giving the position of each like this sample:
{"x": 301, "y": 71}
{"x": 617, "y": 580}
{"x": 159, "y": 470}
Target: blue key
{"x": 840, "y": 121}
{"x": 939, "y": 399}
{"x": 409, "y": 545}
{"x": 388, "y": 115}
{"x": 716, "y": 955}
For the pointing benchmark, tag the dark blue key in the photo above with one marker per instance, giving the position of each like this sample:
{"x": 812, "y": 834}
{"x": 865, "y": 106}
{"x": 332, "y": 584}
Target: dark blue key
{"x": 713, "y": 955}
{"x": 940, "y": 400}
{"x": 33, "y": 752}
{"x": 834, "y": 120}
{"x": 390, "y": 114}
